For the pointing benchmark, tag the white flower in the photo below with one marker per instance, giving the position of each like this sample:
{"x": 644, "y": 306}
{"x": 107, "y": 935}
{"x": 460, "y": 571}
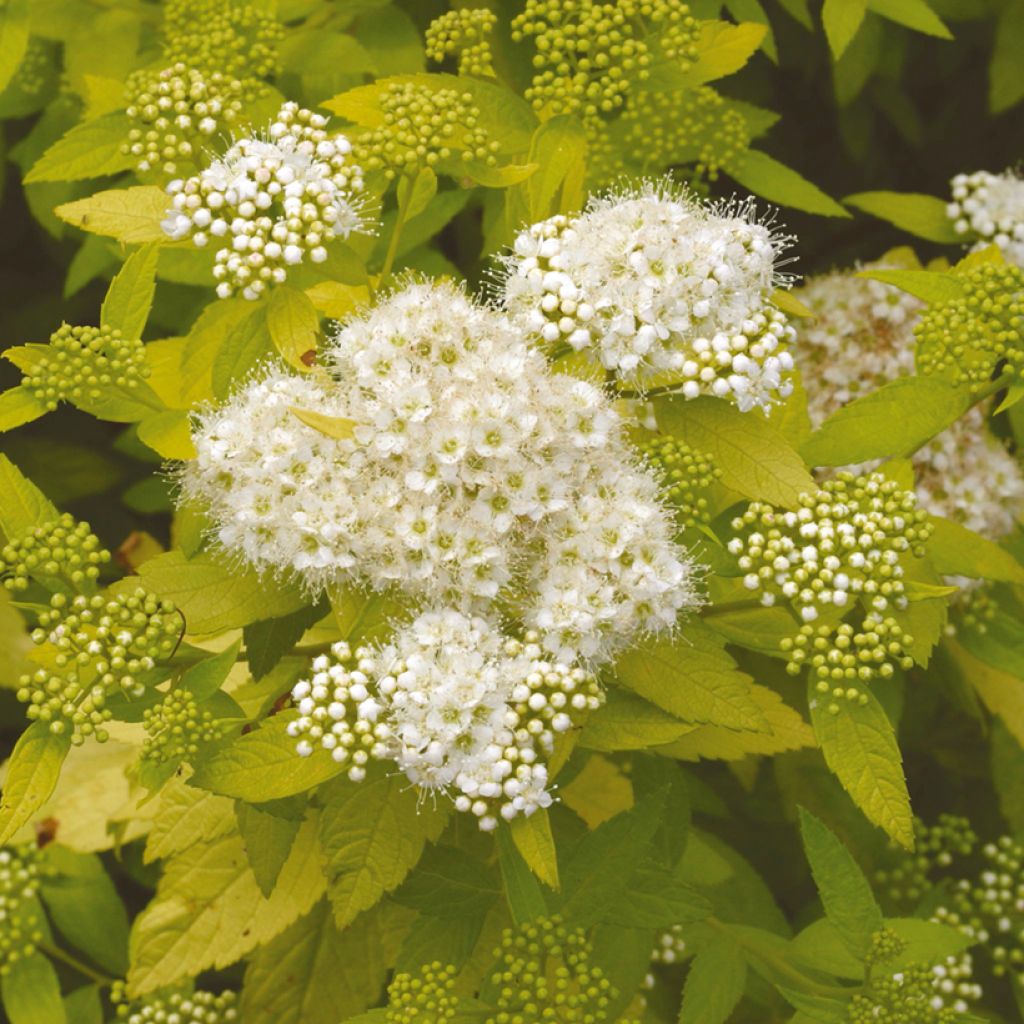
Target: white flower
{"x": 273, "y": 201}
{"x": 475, "y": 474}
{"x": 654, "y": 282}
{"x": 990, "y": 206}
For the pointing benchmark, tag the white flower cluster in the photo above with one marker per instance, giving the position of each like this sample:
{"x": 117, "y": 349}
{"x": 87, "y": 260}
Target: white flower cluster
{"x": 475, "y": 474}
{"x": 459, "y": 707}
{"x": 954, "y": 984}
{"x": 654, "y": 282}
{"x": 274, "y": 200}
{"x": 862, "y": 336}
{"x": 990, "y": 206}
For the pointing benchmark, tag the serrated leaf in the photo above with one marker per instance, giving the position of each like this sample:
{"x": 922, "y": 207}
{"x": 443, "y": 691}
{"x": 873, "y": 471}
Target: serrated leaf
{"x": 247, "y": 345}
{"x": 522, "y": 890}
{"x": 89, "y": 150}
{"x": 449, "y": 882}
{"x": 131, "y": 215}
{"x": 341, "y": 428}
{"x": 204, "y": 679}
{"x": 860, "y": 747}
{"x": 915, "y": 14}
{"x": 22, "y": 504}
{"x": 715, "y": 982}
{"x": 31, "y": 992}
{"x": 755, "y": 459}
{"x": 927, "y": 285}
{"x": 208, "y": 910}
{"x": 169, "y": 434}
{"x": 263, "y": 765}
{"x": 790, "y": 304}
{"x": 269, "y": 640}
{"x": 18, "y": 406}
{"x": 628, "y": 722}
{"x": 32, "y": 774}
{"x": 956, "y": 551}
{"x": 534, "y": 840}
{"x": 722, "y": 49}
{"x": 653, "y": 898}
{"x": 293, "y": 324}
{"x": 314, "y": 973}
{"x": 767, "y": 177}
{"x": 598, "y": 791}
{"x": 268, "y": 842}
{"x": 842, "y": 20}
{"x": 921, "y": 215}
{"x": 844, "y": 890}
{"x": 130, "y": 295}
{"x": 891, "y": 422}
{"x": 14, "y": 35}
{"x": 373, "y": 833}
{"x": 214, "y": 596}
{"x": 1000, "y": 690}
{"x": 184, "y": 817}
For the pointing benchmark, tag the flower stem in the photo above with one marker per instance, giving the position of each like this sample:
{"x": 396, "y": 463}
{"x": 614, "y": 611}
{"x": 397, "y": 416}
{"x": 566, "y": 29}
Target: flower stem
{"x": 56, "y": 953}
{"x": 396, "y": 232}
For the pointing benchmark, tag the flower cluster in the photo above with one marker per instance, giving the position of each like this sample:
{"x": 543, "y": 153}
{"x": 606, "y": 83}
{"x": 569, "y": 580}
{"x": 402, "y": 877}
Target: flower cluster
{"x": 174, "y": 109}
{"x": 177, "y": 727}
{"x": 844, "y": 543}
{"x": 275, "y": 201}
{"x": 685, "y": 475}
{"x": 654, "y": 282}
{"x": 457, "y": 706}
{"x": 588, "y": 53}
{"x": 423, "y": 997}
{"x": 464, "y": 33}
{"x": 474, "y": 474}
{"x": 990, "y": 207}
{"x": 937, "y": 847}
{"x": 100, "y": 643}
{"x": 545, "y": 974}
{"x": 422, "y": 126}
{"x": 913, "y": 995}
{"x": 175, "y": 1007}
{"x": 670, "y": 946}
{"x": 966, "y": 338}
{"x": 79, "y": 361}
{"x": 20, "y": 927}
{"x": 238, "y": 38}
{"x": 35, "y": 68}
{"x": 61, "y": 548}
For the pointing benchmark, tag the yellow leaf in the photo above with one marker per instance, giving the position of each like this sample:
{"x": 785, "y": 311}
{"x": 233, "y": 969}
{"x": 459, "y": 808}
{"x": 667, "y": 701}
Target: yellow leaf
{"x": 598, "y": 791}
{"x": 789, "y": 303}
{"x": 168, "y": 434}
{"x": 533, "y": 838}
{"x": 723, "y": 48}
{"x": 102, "y": 95}
{"x": 339, "y": 427}
{"x": 130, "y": 215}
{"x": 293, "y": 324}
{"x": 337, "y": 300}
{"x": 1000, "y": 692}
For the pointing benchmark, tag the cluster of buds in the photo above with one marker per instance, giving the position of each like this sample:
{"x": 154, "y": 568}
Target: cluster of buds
{"x": 684, "y": 473}
{"x": 274, "y": 201}
{"x": 423, "y": 997}
{"x": 174, "y": 1007}
{"x": 174, "y": 109}
{"x": 20, "y": 927}
{"x": 98, "y": 643}
{"x": 967, "y": 338}
{"x": 35, "y": 67}
{"x": 990, "y": 207}
{"x": 239, "y": 38}
{"x": 545, "y": 974}
{"x": 80, "y": 361}
{"x": 842, "y": 659}
{"x": 844, "y": 543}
{"x": 463, "y": 33}
{"x": 588, "y": 54}
{"x": 62, "y": 548}
{"x": 177, "y": 728}
{"x": 423, "y": 126}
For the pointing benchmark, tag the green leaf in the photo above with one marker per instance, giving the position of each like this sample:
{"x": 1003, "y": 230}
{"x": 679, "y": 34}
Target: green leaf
{"x": 89, "y": 150}
{"x": 414, "y": 191}
{"x": 533, "y": 839}
{"x": 208, "y": 910}
{"x": 32, "y": 774}
{"x": 605, "y": 860}
{"x": 559, "y": 148}
{"x": 244, "y": 348}
{"x": 715, "y": 983}
{"x": 130, "y": 296}
{"x": 204, "y": 679}
{"x": 269, "y": 640}
{"x": 449, "y": 882}
{"x": 169, "y": 434}
{"x": 915, "y": 14}
{"x": 341, "y": 428}
{"x": 83, "y": 1006}
{"x": 892, "y": 422}
{"x": 655, "y": 899}
{"x": 131, "y": 215}
{"x": 844, "y": 890}
{"x": 372, "y": 834}
{"x": 722, "y": 49}
{"x": 921, "y": 215}
{"x": 263, "y": 765}
{"x": 14, "y": 34}
{"x": 842, "y": 20}
{"x": 316, "y": 973}
{"x": 31, "y": 992}
{"x": 268, "y": 843}
{"x": 19, "y": 405}
{"x": 84, "y": 906}
{"x": 767, "y": 177}
{"x": 213, "y": 596}
{"x": 694, "y": 679}
{"x": 293, "y": 323}
{"x": 187, "y": 816}
{"x": 22, "y": 504}
{"x": 860, "y": 747}
{"x": 627, "y": 722}
{"x": 1005, "y": 81}
{"x": 755, "y": 459}
{"x": 956, "y": 551}
{"x": 522, "y": 890}
{"x": 928, "y": 285}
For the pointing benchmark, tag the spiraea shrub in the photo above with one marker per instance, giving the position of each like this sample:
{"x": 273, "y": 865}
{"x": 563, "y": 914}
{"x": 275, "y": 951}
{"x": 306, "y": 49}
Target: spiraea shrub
{"x": 510, "y": 512}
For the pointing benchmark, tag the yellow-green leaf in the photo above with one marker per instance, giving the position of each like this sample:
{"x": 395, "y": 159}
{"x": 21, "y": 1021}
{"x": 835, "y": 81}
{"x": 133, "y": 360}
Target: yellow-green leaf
{"x": 130, "y": 215}
{"x": 339, "y": 427}
{"x": 32, "y": 774}
{"x": 19, "y": 405}
{"x": 956, "y": 551}
{"x": 842, "y": 19}
{"x": 921, "y": 215}
{"x": 89, "y": 150}
{"x": 767, "y": 177}
{"x": 533, "y": 839}
{"x": 168, "y": 434}
{"x": 130, "y": 296}
{"x": 293, "y": 324}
